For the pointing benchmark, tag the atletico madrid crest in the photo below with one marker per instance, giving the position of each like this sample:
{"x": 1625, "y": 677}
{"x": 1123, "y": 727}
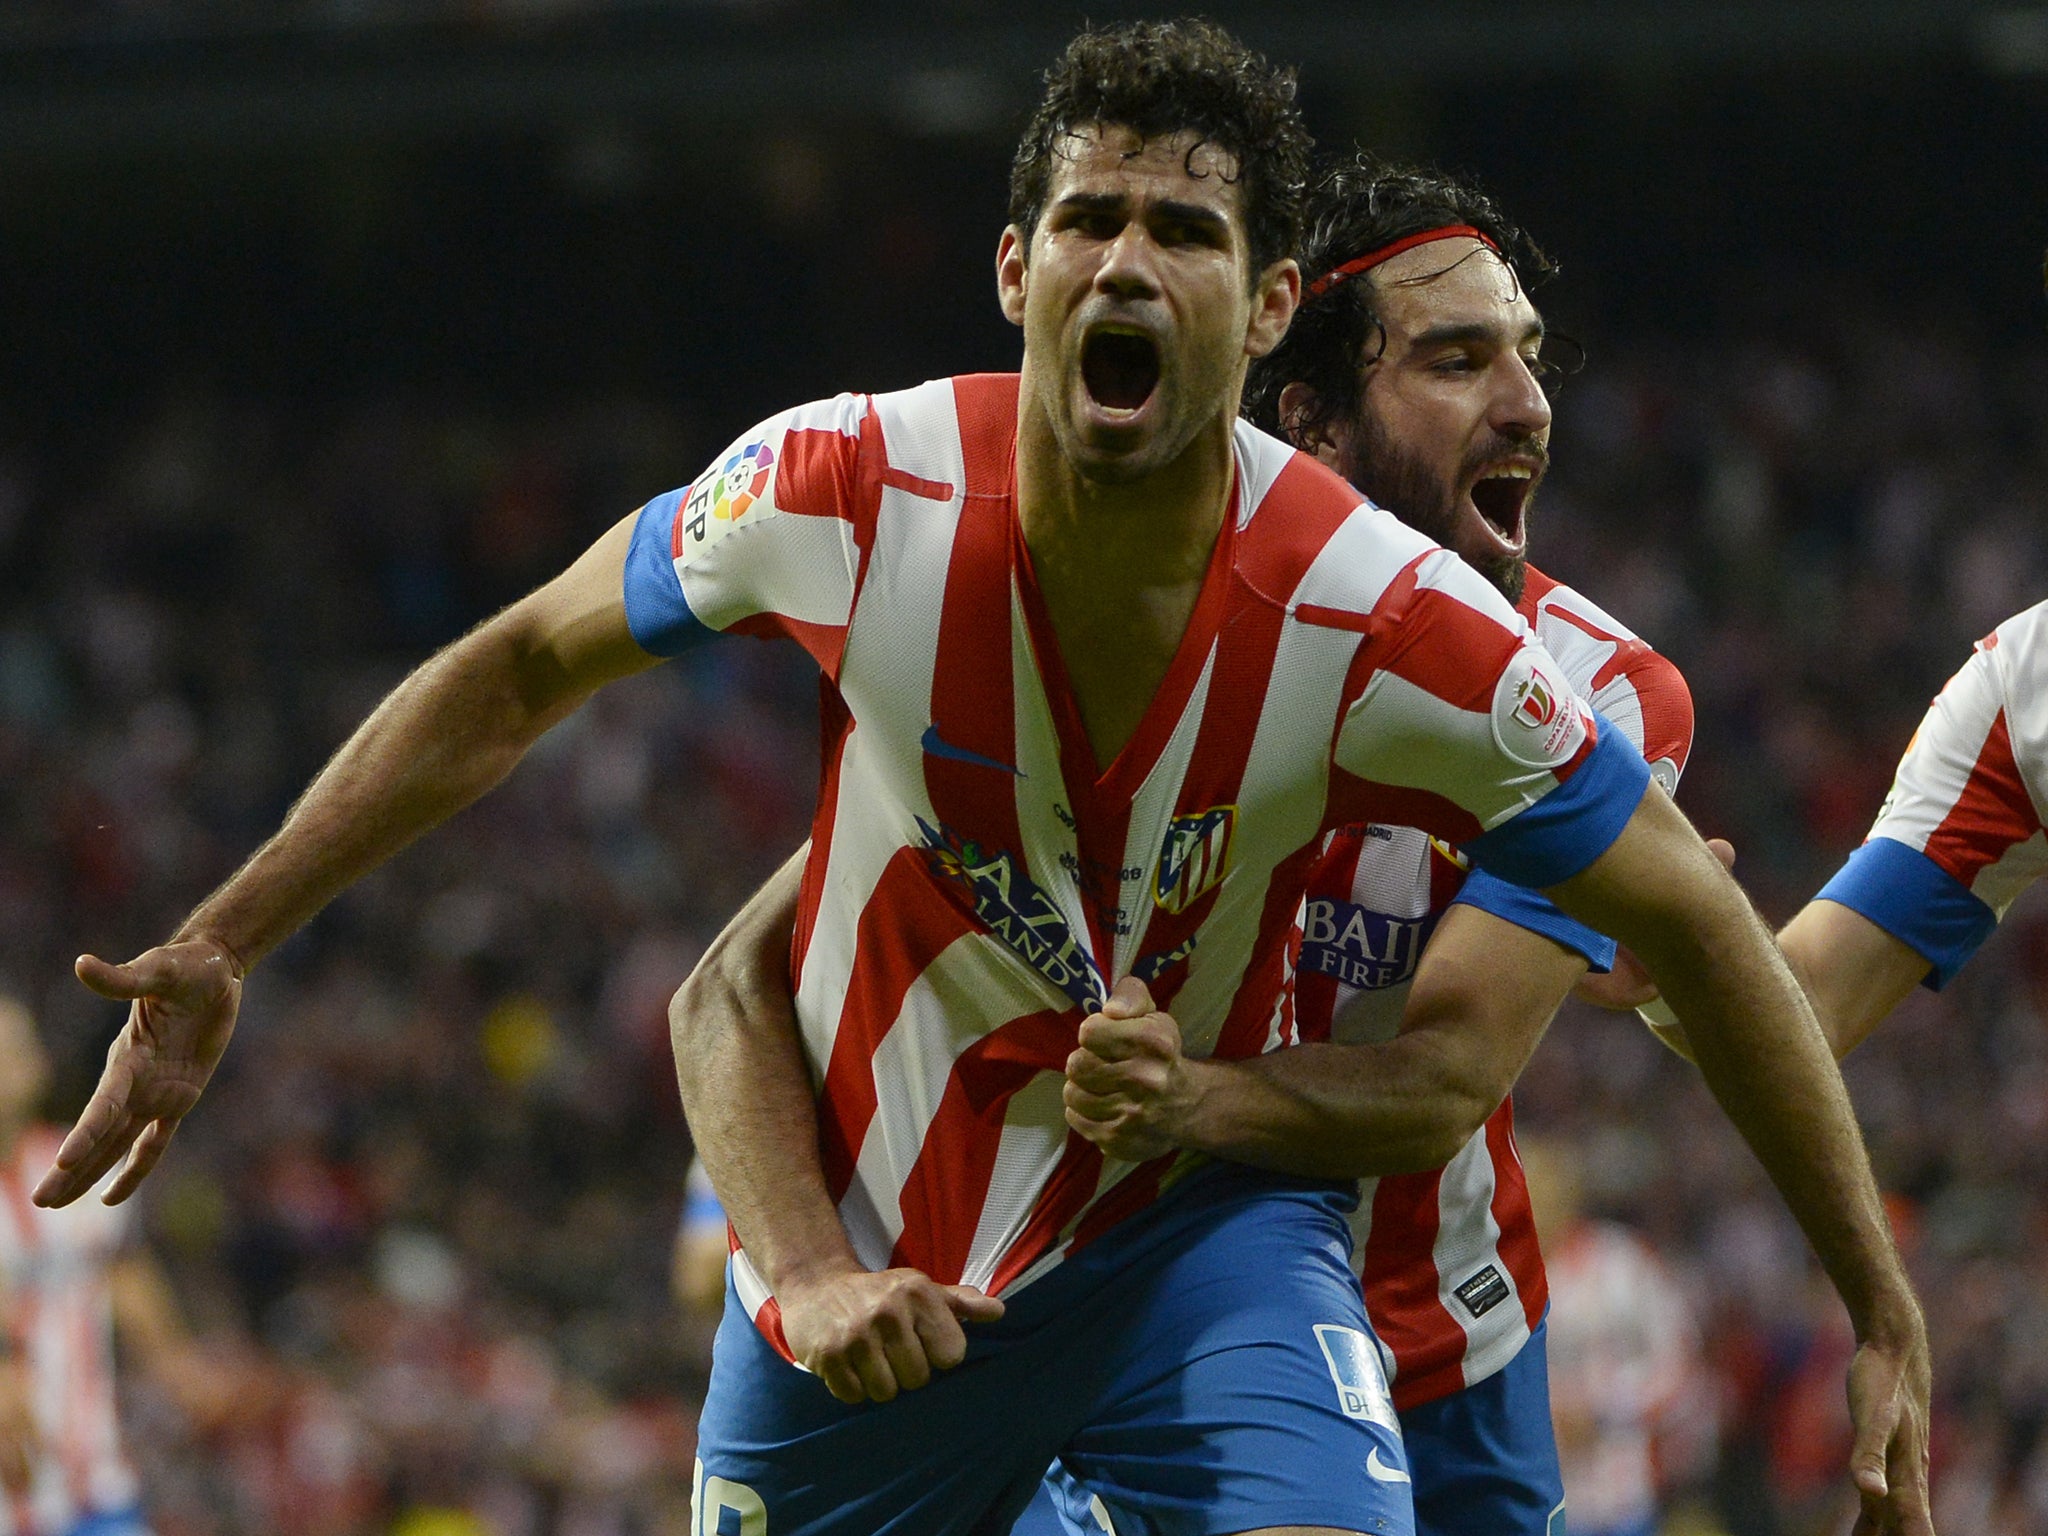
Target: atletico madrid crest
{"x": 1195, "y": 857}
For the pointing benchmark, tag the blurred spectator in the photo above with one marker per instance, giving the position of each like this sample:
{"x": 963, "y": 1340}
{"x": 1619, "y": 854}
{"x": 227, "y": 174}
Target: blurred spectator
{"x": 1627, "y": 1391}
{"x": 71, "y": 1281}
{"x": 697, "y": 1272}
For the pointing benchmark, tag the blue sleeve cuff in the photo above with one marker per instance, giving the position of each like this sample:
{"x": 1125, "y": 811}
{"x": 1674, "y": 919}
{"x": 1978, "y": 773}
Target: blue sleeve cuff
{"x": 656, "y": 610}
{"x": 1916, "y": 901}
{"x": 1531, "y": 910}
{"x": 1575, "y": 823}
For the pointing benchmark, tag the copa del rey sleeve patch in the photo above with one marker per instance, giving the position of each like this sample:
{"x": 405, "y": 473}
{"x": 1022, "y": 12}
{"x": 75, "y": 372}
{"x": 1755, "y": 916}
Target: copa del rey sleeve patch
{"x": 1537, "y": 719}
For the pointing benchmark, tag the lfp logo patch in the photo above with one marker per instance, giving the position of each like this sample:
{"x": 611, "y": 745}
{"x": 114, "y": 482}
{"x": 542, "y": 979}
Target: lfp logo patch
{"x": 1194, "y": 857}
{"x": 724, "y": 494}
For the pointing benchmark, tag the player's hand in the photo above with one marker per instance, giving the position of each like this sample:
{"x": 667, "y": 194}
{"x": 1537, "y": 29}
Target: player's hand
{"x": 185, "y": 995}
{"x": 1129, "y": 1089}
{"x": 869, "y": 1334}
{"x": 1628, "y": 984}
{"x": 1889, "y": 1388}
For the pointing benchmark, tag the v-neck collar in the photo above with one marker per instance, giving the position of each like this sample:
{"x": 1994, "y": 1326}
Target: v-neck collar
{"x": 1134, "y": 761}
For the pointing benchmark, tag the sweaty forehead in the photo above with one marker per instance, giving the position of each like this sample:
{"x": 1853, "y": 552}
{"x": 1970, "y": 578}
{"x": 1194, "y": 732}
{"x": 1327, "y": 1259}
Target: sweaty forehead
{"x": 1456, "y": 281}
{"x": 1096, "y": 158}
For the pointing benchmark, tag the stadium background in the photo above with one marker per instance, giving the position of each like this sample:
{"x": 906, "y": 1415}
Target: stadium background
{"x": 331, "y": 326}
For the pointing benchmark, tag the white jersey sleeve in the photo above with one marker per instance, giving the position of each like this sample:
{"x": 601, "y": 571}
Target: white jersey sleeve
{"x": 1465, "y": 706}
{"x": 1633, "y": 688}
{"x": 1960, "y": 834}
{"x": 769, "y": 540}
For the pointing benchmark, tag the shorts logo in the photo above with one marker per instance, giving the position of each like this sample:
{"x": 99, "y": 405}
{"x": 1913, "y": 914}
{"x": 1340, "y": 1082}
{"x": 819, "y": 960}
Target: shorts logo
{"x": 1537, "y": 720}
{"x": 1361, "y": 1381}
{"x": 719, "y": 1507}
{"x": 1194, "y": 857}
{"x": 726, "y": 493}
{"x": 1483, "y": 1292}
{"x": 1015, "y": 910}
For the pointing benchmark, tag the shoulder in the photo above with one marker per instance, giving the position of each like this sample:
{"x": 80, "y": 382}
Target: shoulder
{"x": 1594, "y": 647}
{"x": 1309, "y": 542}
{"x": 2018, "y": 648}
{"x": 1546, "y": 600}
{"x": 1614, "y": 670}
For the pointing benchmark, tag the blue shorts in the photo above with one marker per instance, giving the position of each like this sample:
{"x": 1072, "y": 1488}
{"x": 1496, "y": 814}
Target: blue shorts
{"x": 1484, "y": 1461}
{"x": 1205, "y": 1368}
{"x": 1485, "y": 1458}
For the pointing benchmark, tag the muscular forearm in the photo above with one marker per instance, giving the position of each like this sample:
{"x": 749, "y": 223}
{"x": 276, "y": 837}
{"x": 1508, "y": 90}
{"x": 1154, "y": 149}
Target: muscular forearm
{"x": 1485, "y": 991}
{"x": 748, "y": 1097}
{"x": 1482, "y": 996}
{"x": 1757, "y": 1044}
{"x": 1337, "y": 1111}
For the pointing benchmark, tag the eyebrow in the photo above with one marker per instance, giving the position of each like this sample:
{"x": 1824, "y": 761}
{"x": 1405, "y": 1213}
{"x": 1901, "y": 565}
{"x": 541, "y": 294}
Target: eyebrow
{"x": 1169, "y": 207}
{"x": 1471, "y": 331}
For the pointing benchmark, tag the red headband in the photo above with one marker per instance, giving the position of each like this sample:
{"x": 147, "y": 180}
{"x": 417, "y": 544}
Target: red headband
{"x": 1371, "y": 259}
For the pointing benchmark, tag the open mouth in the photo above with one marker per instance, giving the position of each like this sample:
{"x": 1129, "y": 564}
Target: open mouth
{"x": 1501, "y": 498}
{"x": 1120, "y": 368}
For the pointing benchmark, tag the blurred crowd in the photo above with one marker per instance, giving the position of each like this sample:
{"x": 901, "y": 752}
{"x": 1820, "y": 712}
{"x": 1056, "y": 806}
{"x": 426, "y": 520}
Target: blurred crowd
{"x": 423, "y": 1220}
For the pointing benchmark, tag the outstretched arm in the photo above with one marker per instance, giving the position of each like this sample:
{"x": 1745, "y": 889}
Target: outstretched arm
{"x": 748, "y": 1098}
{"x": 1484, "y": 992}
{"x": 1853, "y": 971}
{"x": 1663, "y": 893}
{"x": 446, "y": 734}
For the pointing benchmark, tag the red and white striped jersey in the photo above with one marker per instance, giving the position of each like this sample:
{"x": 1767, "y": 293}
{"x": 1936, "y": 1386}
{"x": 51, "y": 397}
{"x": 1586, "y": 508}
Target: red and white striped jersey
{"x": 1960, "y": 836}
{"x": 55, "y": 1296}
{"x": 1453, "y": 1277}
{"x": 976, "y": 881}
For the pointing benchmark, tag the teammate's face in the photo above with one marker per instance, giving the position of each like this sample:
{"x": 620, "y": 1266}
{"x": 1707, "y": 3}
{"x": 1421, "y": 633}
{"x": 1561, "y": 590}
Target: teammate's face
{"x": 1139, "y": 307}
{"x": 1453, "y": 430}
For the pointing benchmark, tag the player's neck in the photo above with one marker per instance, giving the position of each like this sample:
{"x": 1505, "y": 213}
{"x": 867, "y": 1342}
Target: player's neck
{"x": 1120, "y": 568}
{"x": 1092, "y": 534}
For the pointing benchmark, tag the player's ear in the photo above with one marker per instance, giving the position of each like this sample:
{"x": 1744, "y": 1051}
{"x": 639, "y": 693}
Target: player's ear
{"x": 1300, "y": 425}
{"x": 1011, "y": 274}
{"x": 1273, "y": 304}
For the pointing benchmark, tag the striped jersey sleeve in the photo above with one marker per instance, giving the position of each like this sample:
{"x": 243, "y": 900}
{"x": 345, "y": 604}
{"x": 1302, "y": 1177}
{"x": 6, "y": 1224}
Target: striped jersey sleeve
{"x": 1960, "y": 835}
{"x": 1471, "y": 727}
{"x": 770, "y": 540}
{"x": 1620, "y": 675}
{"x": 1642, "y": 693}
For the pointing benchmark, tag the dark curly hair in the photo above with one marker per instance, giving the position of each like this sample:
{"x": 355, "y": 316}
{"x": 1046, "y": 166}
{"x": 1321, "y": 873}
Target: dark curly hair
{"x": 1164, "y": 77}
{"x": 1356, "y": 206}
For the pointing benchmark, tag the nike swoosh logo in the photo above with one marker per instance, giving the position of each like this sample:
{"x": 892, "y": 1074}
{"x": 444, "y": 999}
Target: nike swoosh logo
{"x": 1380, "y": 1472}
{"x": 938, "y": 746}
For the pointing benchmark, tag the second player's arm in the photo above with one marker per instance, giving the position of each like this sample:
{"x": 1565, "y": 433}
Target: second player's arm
{"x": 1484, "y": 992}
{"x": 748, "y": 1098}
{"x": 1853, "y": 971}
{"x": 1663, "y": 893}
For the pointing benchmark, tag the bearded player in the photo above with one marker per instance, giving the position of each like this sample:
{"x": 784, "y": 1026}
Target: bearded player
{"x": 1414, "y": 369}
{"x": 1103, "y": 667}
